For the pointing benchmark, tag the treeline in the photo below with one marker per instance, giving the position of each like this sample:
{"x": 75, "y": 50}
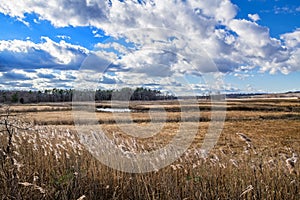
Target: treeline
{"x": 66, "y": 95}
{"x": 138, "y": 94}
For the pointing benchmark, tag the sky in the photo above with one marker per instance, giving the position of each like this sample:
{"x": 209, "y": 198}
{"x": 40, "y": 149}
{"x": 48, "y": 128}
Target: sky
{"x": 179, "y": 46}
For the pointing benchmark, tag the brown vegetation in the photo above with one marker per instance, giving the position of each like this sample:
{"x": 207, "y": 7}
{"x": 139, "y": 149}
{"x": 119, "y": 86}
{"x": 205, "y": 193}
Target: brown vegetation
{"x": 256, "y": 156}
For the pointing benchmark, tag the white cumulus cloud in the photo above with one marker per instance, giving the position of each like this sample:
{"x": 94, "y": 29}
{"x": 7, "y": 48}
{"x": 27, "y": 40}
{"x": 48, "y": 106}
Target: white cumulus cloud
{"x": 254, "y": 17}
{"x": 153, "y": 38}
{"x": 47, "y": 53}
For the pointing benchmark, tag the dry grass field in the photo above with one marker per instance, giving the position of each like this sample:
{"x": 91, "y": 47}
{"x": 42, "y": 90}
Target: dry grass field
{"x": 256, "y": 156}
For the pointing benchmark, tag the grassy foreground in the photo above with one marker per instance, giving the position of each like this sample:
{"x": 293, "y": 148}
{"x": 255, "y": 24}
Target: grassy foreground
{"x": 255, "y": 158}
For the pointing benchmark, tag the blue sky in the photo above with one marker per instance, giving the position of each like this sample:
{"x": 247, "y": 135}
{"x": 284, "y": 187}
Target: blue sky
{"x": 245, "y": 45}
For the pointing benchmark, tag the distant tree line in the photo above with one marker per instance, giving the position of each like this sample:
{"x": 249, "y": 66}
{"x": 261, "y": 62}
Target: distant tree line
{"x": 66, "y": 95}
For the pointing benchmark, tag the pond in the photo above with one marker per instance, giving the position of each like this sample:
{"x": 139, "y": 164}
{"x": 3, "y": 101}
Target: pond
{"x": 113, "y": 110}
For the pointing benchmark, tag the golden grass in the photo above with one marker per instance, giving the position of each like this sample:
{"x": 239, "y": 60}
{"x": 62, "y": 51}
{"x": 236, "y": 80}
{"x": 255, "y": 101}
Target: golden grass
{"x": 66, "y": 117}
{"x": 48, "y": 161}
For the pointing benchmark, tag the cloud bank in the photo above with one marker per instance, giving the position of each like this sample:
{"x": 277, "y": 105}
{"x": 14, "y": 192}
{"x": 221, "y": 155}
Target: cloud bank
{"x": 154, "y": 39}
